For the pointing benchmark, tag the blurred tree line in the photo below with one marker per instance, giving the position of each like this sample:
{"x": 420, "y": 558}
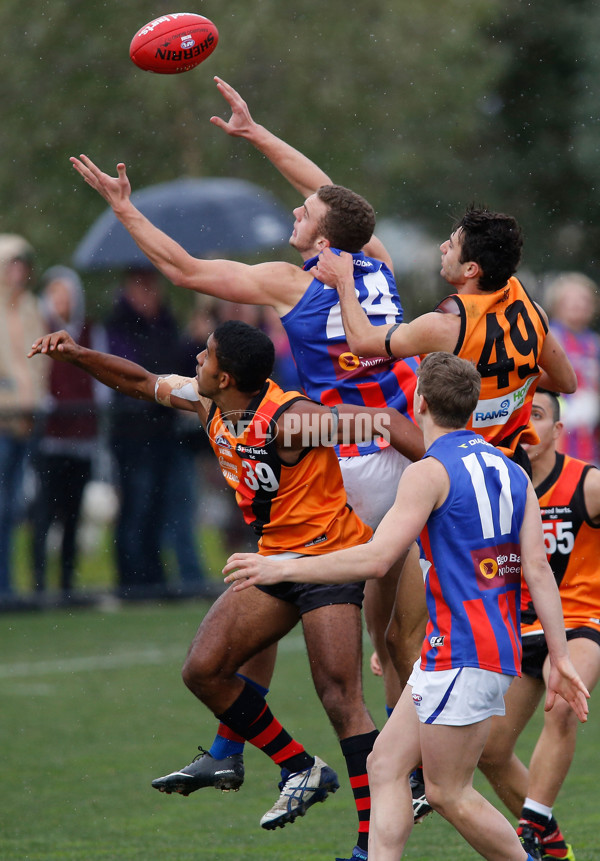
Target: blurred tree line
{"x": 422, "y": 107}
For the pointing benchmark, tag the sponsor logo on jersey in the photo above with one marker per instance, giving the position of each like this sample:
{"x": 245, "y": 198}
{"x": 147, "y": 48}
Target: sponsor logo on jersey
{"x": 230, "y": 467}
{"x": 476, "y": 440}
{"x": 497, "y": 566}
{"x": 222, "y": 441}
{"x": 497, "y": 411}
{"x": 436, "y": 642}
{"x": 250, "y": 450}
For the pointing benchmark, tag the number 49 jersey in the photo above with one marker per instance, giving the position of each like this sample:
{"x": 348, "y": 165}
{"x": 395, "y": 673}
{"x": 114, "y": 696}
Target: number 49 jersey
{"x": 300, "y": 507}
{"x": 572, "y": 543}
{"x": 329, "y": 371}
{"x": 503, "y": 332}
{"x": 472, "y": 542}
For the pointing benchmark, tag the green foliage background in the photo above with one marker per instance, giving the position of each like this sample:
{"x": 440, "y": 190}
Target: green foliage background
{"x": 420, "y": 107}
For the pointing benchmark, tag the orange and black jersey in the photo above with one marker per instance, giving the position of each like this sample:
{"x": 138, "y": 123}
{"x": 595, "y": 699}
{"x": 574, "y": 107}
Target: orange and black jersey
{"x": 572, "y": 542}
{"x": 503, "y": 332}
{"x": 300, "y": 507}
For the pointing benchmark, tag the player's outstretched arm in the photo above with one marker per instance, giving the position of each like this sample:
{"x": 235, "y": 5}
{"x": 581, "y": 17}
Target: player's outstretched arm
{"x": 421, "y": 488}
{"x": 302, "y": 173}
{"x": 117, "y": 373}
{"x": 425, "y": 334}
{"x": 277, "y": 284}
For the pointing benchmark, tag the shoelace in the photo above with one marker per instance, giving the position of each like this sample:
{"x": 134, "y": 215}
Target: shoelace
{"x": 201, "y": 754}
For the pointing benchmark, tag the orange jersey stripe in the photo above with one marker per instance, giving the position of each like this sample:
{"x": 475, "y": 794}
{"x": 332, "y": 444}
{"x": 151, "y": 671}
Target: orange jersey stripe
{"x": 503, "y": 332}
{"x": 299, "y": 508}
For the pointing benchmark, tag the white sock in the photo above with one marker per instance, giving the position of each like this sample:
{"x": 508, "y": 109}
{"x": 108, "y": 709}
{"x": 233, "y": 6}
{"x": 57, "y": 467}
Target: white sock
{"x": 536, "y": 807}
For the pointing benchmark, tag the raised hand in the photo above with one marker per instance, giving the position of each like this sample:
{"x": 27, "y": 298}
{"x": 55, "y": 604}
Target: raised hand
{"x": 334, "y": 269}
{"x": 114, "y": 189}
{"x": 240, "y": 124}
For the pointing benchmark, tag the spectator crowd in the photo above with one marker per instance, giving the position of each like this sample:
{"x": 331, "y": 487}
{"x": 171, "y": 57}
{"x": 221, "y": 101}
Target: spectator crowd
{"x": 81, "y": 465}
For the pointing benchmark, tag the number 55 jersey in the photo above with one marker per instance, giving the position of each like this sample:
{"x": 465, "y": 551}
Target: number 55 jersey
{"x": 572, "y": 544}
{"x": 503, "y": 332}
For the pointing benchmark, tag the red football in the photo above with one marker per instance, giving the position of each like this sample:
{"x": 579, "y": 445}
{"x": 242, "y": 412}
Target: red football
{"x": 174, "y": 43}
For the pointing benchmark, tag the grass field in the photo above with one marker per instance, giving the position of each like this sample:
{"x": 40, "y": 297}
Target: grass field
{"x": 93, "y": 708}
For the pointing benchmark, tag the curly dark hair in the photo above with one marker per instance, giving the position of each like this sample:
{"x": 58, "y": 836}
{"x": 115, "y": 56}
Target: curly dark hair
{"x": 245, "y": 352}
{"x": 350, "y": 221}
{"x": 494, "y": 241}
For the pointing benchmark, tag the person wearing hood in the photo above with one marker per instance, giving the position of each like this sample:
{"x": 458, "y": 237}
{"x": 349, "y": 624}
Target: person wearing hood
{"x": 68, "y": 442}
{"x": 21, "y": 388}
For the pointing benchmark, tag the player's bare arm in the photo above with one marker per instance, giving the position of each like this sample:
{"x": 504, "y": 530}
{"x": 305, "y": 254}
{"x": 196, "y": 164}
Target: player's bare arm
{"x": 563, "y": 679}
{"x": 115, "y": 372}
{"x": 307, "y": 425}
{"x": 278, "y": 284}
{"x": 425, "y": 334}
{"x": 302, "y": 173}
{"x": 557, "y": 371}
{"x": 423, "y": 487}
{"x": 591, "y": 495}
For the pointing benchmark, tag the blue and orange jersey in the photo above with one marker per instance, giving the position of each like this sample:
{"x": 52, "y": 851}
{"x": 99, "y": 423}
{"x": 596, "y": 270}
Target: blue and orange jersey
{"x": 503, "y": 333}
{"x": 329, "y": 372}
{"x": 300, "y": 507}
{"x": 472, "y": 543}
{"x": 572, "y": 541}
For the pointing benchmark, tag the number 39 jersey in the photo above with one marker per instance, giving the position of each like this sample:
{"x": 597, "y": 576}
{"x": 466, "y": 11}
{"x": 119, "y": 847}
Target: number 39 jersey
{"x": 572, "y": 543}
{"x": 472, "y": 543}
{"x": 329, "y": 372}
{"x": 301, "y": 507}
{"x": 503, "y": 333}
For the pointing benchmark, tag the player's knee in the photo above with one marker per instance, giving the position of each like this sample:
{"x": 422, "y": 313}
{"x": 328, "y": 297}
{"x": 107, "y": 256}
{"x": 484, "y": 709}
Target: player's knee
{"x": 340, "y": 704}
{"x": 378, "y": 766}
{"x": 200, "y": 671}
{"x": 561, "y": 719}
{"x": 442, "y": 802}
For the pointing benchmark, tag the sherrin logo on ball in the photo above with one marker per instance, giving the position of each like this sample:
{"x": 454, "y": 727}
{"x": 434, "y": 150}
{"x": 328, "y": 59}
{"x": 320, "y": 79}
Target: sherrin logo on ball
{"x": 174, "y": 43}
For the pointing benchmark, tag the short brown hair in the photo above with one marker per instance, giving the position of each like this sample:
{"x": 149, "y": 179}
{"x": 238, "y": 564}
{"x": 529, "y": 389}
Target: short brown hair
{"x": 350, "y": 220}
{"x": 451, "y": 388}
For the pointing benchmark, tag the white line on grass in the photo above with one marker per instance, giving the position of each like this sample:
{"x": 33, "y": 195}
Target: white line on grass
{"x": 117, "y": 661}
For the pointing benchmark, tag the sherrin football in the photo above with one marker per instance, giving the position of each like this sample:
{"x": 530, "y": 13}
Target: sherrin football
{"x": 174, "y": 43}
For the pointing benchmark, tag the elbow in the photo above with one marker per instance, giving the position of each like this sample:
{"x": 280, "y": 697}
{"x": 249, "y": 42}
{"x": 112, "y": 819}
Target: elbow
{"x": 378, "y": 569}
{"x": 181, "y": 279}
{"x": 571, "y": 386}
{"x": 363, "y": 346}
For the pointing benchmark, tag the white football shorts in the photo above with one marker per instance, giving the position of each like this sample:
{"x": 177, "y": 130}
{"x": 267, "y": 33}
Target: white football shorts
{"x": 371, "y": 482}
{"x": 457, "y": 697}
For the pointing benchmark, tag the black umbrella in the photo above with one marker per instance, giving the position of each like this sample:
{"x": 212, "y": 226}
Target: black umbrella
{"x": 208, "y": 217}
